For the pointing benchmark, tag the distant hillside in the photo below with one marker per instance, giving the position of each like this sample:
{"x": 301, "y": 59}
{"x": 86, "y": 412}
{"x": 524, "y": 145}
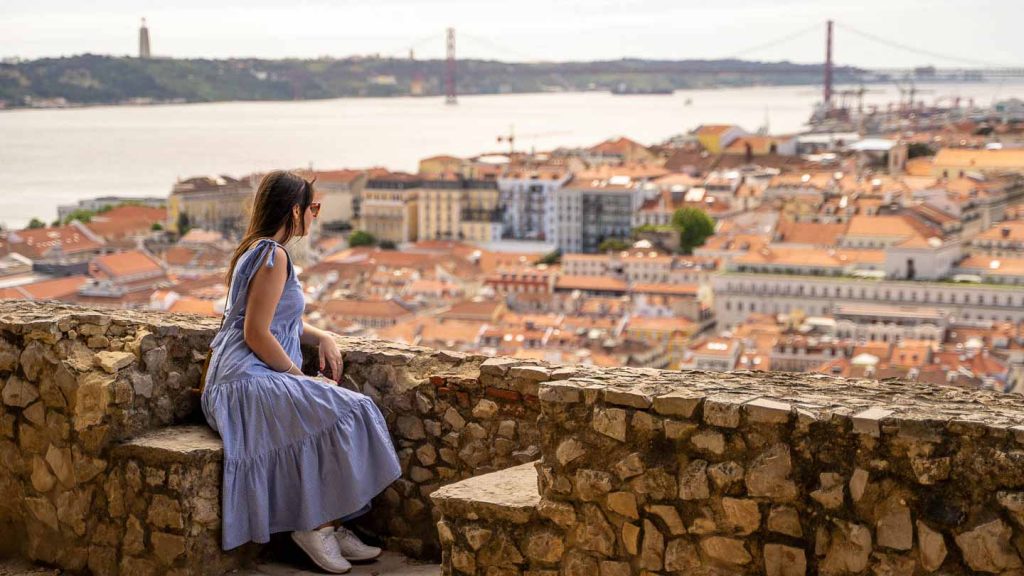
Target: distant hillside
{"x": 91, "y": 79}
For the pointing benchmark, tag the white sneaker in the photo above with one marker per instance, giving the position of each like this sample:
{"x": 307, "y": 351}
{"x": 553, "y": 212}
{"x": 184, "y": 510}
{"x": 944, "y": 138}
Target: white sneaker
{"x": 352, "y": 548}
{"x": 322, "y": 548}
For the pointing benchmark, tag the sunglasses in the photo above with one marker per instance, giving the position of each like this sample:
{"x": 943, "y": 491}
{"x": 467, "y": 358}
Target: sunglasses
{"x": 315, "y": 209}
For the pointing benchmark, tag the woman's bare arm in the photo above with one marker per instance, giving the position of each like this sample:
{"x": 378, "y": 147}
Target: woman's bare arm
{"x": 265, "y": 291}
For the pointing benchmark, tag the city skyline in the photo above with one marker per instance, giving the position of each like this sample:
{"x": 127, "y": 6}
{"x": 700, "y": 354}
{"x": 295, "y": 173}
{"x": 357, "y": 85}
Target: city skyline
{"x": 982, "y": 32}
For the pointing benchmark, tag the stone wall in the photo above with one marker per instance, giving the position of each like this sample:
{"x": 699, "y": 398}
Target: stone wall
{"x": 640, "y": 470}
{"x": 452, "y": 416}
{"x": 82, "y": 483}
{"x": 693, "y": 473}
{"x": 76, "y": 382}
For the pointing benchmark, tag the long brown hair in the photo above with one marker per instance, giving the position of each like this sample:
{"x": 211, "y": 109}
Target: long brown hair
{"x": 278, "y": 193}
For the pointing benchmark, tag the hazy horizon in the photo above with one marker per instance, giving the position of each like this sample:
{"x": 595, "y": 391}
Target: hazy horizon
{"x": 975, "y": 33}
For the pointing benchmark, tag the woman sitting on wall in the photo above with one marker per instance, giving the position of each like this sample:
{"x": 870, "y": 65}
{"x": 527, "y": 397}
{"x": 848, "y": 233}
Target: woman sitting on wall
{"x": 299, "y": 453}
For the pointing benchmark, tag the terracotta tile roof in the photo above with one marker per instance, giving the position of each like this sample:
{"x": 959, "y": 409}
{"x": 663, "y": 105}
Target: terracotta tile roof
{"x": 364, "y": 308}
{"x": 716, "y": 347}
{"x": 590, "y": 283}
{"x": 1009, "y": 231}
{"x": 810, "y": 256}
{"x": 968, "y": 159}
{"x": 54, "y": 289}
{"x": 713, "y": 129}
{"x": 124, "y": 264}
{"x": 665, "y": 288}
{"x": 200, "y": 236}
{"x": 41, "y": 242}
{"x": 469, "y": 309}
{"x": 992, "y": 266}
{"x": 885, "y": 227}
{"x": 190, "y": 305}
{"x": 655, "y": 324}
{"x": 813, "y": 233}
{"x": 617, "y": 146}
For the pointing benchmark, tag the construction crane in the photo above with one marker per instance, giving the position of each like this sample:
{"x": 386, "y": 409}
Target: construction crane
{"x": 510, "y": 138}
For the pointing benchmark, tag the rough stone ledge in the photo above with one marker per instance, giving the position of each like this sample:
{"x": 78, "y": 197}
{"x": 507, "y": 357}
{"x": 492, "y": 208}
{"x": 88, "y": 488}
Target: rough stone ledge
{"x": 509, "y": 495}
{"x": 871, "y": 405}
{"x": 178, "y": 444}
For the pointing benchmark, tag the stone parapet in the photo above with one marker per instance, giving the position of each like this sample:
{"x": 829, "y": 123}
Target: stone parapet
{"x": 86, "y": 392}
{"x": 782, "y": 474}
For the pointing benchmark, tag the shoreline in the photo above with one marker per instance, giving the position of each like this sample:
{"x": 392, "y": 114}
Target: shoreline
{"x": 182, "y": 102}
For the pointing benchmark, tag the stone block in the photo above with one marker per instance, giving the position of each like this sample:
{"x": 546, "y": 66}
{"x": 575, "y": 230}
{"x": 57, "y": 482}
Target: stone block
{"x": 111, "y": 361}
{"x": 545, "y": 546}
{"x": 19, "y": 393}
{"x": 568, "y": 450}
{"x": 670, "y": 516}
{"x": 768, "y": 475}
{"x": 785, "y": 520}
{"x": 624, "y": 504}
{"x": 681, "y": 555}
{"x": 693, "y": 481}
{"x": 592, "y": 484}
{"x": 931, "y": 547}
{"x": 611, "y": 422}
{"x": 485, "y": 409}
{"x": 652, "y": 550}
{"x": 988, "y": 548}
{"x": 632, "y": 398}
{"x": 781, "y": 560}
{"x": 741, "y": 515}
{"x": 678, "y": 403}
{"x": 709, "y": 441}
{"x": 849, "y": 549}
{"x": 629, "y": 466}
{"x": 727, "y": 551}
{"x": 894, "y": 528}
{"x": 767, "y": 411}
{"x": 723, "y": 412}
{"x": 830, "y": 491}
{"x": 869, "y": 421}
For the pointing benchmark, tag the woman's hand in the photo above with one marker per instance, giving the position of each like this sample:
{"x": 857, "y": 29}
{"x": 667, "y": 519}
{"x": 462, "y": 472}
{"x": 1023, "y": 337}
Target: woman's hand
{"x": 330, "y": 355}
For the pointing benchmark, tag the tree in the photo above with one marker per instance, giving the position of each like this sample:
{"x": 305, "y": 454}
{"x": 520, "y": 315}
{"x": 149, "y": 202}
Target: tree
{"x": 36, "y": 223}
{"x": 156, "y": 227}
{"x": 694, "y": 226}
{"x": 551, "y": 258}
{"x": 613, "y": 245}
{"x": 183, "y": 224}
{"x": 361, "y": 238}
{"x": 81, "y": 215}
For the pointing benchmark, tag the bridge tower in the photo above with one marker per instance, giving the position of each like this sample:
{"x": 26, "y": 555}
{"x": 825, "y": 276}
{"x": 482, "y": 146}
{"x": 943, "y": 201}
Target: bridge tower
{"x": 827, "y": 96}
{"x": 449, "y": 70}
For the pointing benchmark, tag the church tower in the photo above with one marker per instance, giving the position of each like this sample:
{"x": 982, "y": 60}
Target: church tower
{"x": 144, "y": 41}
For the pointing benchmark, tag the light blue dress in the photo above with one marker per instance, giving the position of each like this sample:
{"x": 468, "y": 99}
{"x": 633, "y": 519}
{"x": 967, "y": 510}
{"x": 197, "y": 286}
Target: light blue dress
{"x": 297, "y": 452}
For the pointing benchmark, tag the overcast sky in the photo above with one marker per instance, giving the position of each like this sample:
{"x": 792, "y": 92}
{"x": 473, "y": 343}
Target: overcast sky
{"x": 982, "y": 31}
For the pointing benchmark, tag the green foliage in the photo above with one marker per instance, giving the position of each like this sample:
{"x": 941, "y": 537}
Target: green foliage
{"x": 388, "y": 245}
{"x": 551, "y": 258}
{"x": 613, "y": 245}
{"x": 81, "y": 215}
{"x": 183, "y": 224}
{"x": 93, "y": 79}
{"x": 156, "y": 227}
{"x": 36, "y": 223}
{"x": 652, "y": 228}
{"x": 694, "y": 227}
{"x": 361, "y": 238}
{"x": 917, "y": 149}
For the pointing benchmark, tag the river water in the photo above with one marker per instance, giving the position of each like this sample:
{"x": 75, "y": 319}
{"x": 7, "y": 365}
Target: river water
{"x": 52, "y": 157}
